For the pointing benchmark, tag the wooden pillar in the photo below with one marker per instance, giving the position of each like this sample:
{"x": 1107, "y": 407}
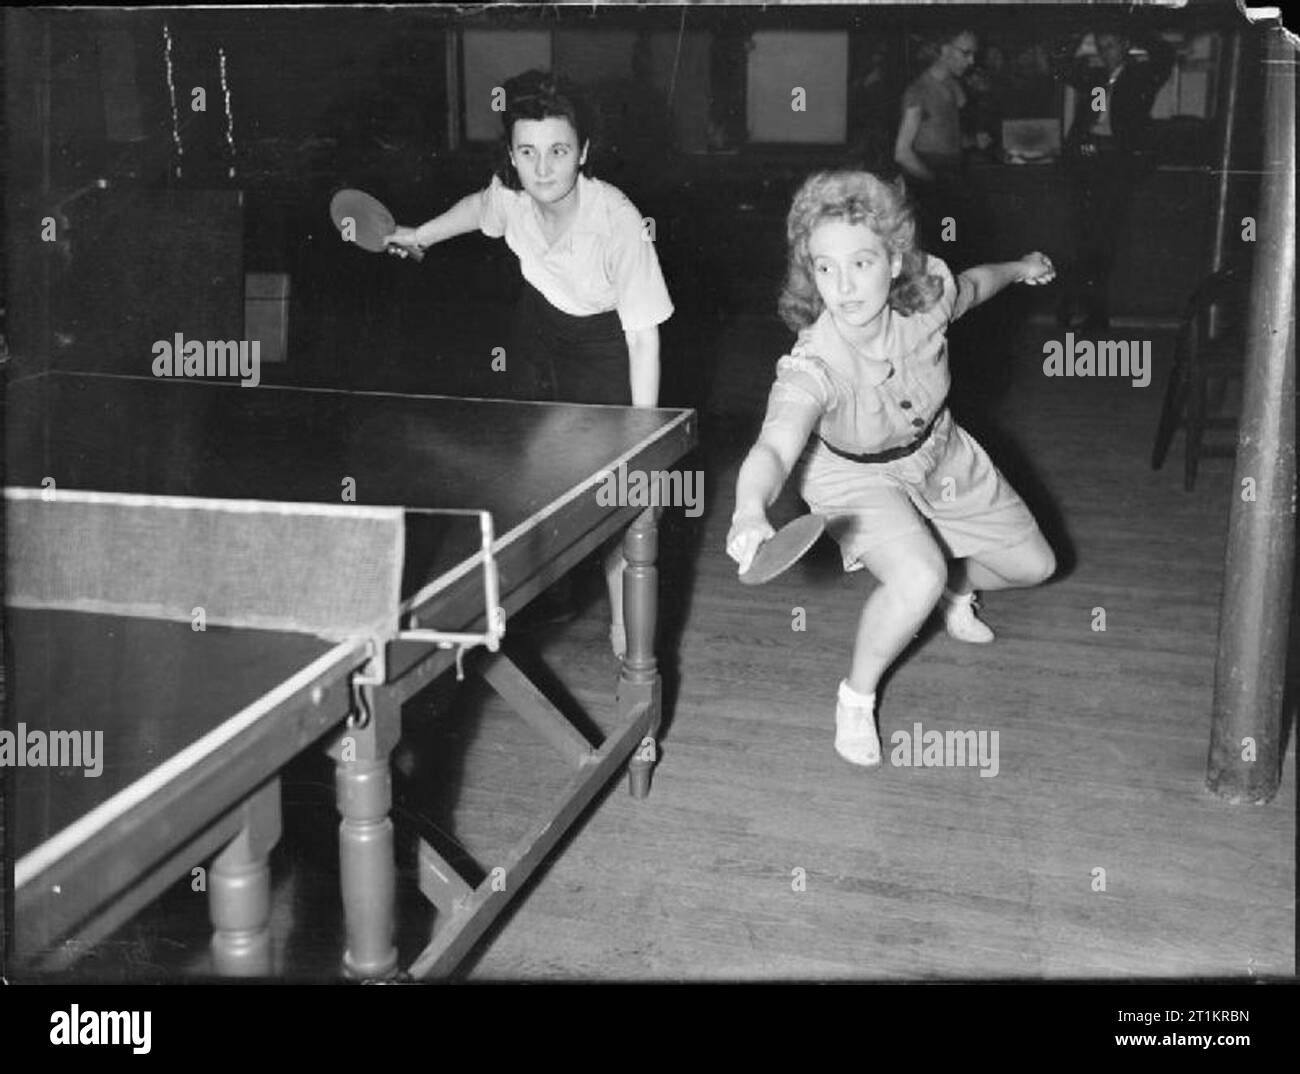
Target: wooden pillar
{"x": 1254, "y": 620}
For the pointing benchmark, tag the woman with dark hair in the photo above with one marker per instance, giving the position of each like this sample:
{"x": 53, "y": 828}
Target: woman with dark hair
{"x": 858, "y": 412}
{"x": 587, "y": 323}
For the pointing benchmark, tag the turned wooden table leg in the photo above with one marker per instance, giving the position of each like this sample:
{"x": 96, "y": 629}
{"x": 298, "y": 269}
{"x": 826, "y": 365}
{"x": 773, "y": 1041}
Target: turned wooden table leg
{"x": 639, "y": 683}
{"x": 239, "y": 890}
{"x": 367, "y": 867}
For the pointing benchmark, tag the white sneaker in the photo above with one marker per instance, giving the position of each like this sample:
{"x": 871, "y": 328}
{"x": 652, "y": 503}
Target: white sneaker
{"x": 855, "y": 729}
{"x": 959, "y": 618}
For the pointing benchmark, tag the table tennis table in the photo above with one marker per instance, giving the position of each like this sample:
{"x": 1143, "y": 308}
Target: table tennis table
{"x": 219, "y": 577}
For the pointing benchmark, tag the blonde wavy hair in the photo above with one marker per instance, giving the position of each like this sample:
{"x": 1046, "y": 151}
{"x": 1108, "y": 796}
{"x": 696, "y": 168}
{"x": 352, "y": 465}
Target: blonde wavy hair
{"x": 856, "y": 197}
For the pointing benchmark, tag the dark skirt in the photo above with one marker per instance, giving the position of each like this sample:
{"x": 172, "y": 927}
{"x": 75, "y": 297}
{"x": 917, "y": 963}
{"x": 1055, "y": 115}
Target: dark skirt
{"x": 561, "y": 358}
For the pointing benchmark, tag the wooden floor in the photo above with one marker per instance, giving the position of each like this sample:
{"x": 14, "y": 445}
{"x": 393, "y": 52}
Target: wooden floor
{"x": 759, "y": 853}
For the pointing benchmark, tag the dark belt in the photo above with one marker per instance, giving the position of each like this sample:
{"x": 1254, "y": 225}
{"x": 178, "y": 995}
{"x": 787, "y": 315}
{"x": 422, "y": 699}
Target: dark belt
{"x": 892, "y": 453}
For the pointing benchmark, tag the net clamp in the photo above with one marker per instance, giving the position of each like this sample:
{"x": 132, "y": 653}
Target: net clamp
{"x": 494, "y": 616}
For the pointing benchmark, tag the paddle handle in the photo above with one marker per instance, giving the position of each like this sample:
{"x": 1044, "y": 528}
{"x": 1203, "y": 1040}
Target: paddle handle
{"x": 414, "y": 255}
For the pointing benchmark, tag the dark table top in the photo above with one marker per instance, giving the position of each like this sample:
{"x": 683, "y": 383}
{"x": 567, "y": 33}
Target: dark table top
{"x": 516, "y": 460}
{"x": 191, "y": 438}
{"x": 149, "y": 690}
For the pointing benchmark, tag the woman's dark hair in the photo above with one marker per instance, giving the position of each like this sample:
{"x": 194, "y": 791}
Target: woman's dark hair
{"x": 541, "y": 95}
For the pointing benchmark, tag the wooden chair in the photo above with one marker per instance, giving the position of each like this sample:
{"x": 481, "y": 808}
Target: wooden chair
{"x": 1209, "y": 353}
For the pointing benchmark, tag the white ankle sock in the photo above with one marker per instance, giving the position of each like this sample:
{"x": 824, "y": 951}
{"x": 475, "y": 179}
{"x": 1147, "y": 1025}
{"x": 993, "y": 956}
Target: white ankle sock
{"x": 956, "y": 598}
{"x": 851, "y": 697}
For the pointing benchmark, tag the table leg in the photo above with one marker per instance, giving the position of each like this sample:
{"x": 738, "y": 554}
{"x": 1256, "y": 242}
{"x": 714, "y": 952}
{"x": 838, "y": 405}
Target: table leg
{"x": 239, "y": 890}
{"x": 639, "y": 684}
{"x": 367, "y": 867}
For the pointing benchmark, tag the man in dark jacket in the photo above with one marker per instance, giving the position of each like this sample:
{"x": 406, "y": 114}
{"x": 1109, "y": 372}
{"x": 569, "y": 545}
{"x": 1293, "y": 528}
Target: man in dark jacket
{"x": 1106, "y": 152}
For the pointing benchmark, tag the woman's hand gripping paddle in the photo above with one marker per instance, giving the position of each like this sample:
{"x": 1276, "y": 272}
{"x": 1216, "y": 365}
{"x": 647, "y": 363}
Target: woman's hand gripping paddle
{"x": 364, "y": 220}
{"x": 784, "y": 549}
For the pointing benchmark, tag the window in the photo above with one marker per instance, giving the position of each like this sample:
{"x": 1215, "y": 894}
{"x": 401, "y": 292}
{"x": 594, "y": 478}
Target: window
{"x": 492, "y": 57}
{"x": 1190, "y": 89}
{"x": 781, "y": 64}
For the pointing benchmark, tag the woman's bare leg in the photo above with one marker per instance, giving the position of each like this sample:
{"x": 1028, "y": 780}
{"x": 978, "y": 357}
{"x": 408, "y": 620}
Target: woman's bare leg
{"x": 1024, "y": 564}
{"x": 911, "y": 572}
{"x": 615, "y": 565}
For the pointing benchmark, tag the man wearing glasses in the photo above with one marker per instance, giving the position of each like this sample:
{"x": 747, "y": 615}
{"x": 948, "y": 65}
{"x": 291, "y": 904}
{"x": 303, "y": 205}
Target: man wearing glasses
{"x": 929, "y": 147}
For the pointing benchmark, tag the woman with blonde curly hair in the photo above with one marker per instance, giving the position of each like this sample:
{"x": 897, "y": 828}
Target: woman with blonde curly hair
{"x": 857, "y": 410}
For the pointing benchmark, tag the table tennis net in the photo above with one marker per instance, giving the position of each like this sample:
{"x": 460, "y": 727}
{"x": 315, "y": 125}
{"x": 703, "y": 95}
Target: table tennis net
{"x": 329, "y": 570}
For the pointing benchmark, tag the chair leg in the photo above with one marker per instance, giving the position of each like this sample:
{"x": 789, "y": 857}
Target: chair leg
{"x": 1171, "y": 411}
{"x": 1217, "y": 394}
{"x": 1195, "y": 422}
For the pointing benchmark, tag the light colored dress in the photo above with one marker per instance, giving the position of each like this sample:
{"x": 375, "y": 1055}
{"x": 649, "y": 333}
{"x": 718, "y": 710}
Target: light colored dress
{"x": 866, "y": 409}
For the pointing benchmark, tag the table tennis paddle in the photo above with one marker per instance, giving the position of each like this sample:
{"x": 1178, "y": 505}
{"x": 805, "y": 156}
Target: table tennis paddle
{"x": 371, "y": 220}
{"x": 783, "y": 549}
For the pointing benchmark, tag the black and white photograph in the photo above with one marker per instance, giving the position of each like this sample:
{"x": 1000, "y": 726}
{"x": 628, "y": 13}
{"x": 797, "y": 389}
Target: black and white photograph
{"x": 662, "y": 493}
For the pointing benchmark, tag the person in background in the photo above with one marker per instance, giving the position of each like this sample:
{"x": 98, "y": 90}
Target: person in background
{"x": 930, "y": 142}
{"x": 989, "y": 85}
{"x": 1105, "y": 154}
